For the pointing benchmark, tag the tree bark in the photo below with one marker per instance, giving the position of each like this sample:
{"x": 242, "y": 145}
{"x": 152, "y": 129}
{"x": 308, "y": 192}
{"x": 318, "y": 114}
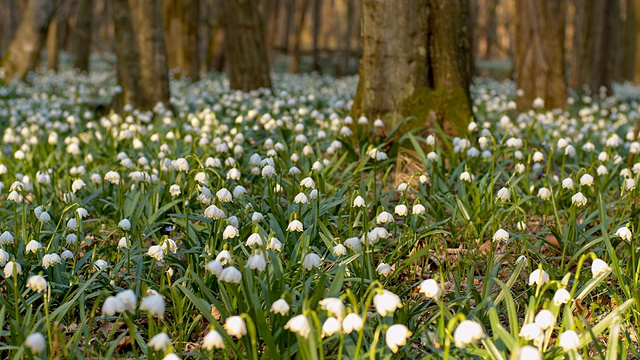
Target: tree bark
{"x": 636, "y": 65}
{"x": 246, "y": 53}
{"x": 82, "y": 35}
{"x": 491, "y": 28}
{"x": 181, "y": 19}
{"x": 299, "y": 25}
{"x": 129, "y": 74}
{"x": 53, "y": 35}
{"x": 628, "y": 43}
{"x": 29, "y": 39}
{"x": 317, "y": 23}
{"x": 539, "y": 46}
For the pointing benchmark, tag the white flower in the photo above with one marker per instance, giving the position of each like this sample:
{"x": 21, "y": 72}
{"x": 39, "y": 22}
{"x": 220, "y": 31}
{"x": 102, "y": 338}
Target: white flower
{"x": 268, "y": 171}
{"x": 386, "y": 302}
{"x": 629, "y": 184}
{"x": 274, "y": 244}
{"x": 544, "y": 193}
{"x": 384, "y": 217}
{"x": 299, "y": 325}
{"x": 503, "y": 194}
{"x": 465, "y": 176}
{"x": 562, "y": 296}
{"x": 308, "y": 183}
{"x": 333, "y": 306}
{"x": 530, "y": 331}
{"x": 153, "y": 304}
{"x": 384, "y": 269}
{"x": 10, "y": 267}
{"x": 213, "y": 340}
{"x": 125, "y": 224}
{"x": 586, "y": 180}
{"x": 169, "y": 245}
{"x": 331, "y": 326}
{"x": 156, "y": 252}
{"x": 35, "y": 342}
{"x": 301, "y": 198}
{"x": 181, "y": 164}
{"x": 545, "y": 319}
{"x": 311, "y": 260}
{"x": 112, "y": 177}
{"x": 224, "y": 257}
{"x": 353, "y": 244}
{"x": 280, "y": 306}
{"x": 431, "y": 289}
{"x": 257, "y": 261}
{"x": 67, "y": 255}
{"x": 467, "y": 332}
{"x": 233, "y": 174}
{"x": 567, "y": 183}
{"x": 230, "y": 275}
{"x": 50, "y": 259}
{"x": 295, "y": 225}
{"x": 397, "y": 336}
{"x": 235, "y": 326}
{"x": 339, "y": 250}
{"x": 528, "y": 352}
{"x": 539, "y": 277}
{"x": 215, "y": 267}
{"x": 37, "y": 283}
{"x": 578, "y": 200}
{"x": 123, "y": 243}
{"x": 230, "y": 232}
{"x": 501, "y": 235}
{"x": 174, "y": 190}
{"x": 82, "y": 212}
{"x": 6, "y": 238}
{"x": 160, "y": 341}
{"x": 254, "y": 240}
{"x": 4, "y": 256}
{"x": 599, "y": 267}
{"x": 569, "y": 340}
{"x": 33, "y": 246}
{"x": 352, "y": 322}
{"x": 624, "y": 233}
{"x": 401, "y": 210}
{"x": 129, "y": 299}
{"x": 77, "y": 185}
{"x": 213, "y": 212}
{"x": 72, "y": 224}
{"x": 112, "y": 305}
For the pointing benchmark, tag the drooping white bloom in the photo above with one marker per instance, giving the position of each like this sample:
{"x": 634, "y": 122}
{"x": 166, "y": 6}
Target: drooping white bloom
{"x": 37, "y": 283}
{"x": 501, "y": 235}
{"x": 311, "y": 260}
{"x": 215, "y": 267}
{"x": 153, "y": 304}
{"x": 384, "y": 269}
{"x": 530, "y": 331}
{"x": 280, "y": 306}
{"x": 181, "y": 164}
{"x": 503, "y": 194}
{"x": 230, "y": 275}
{"x": 213, "y": 340}
{"x": 545, "y": 319}
{"x": 586, "y": 180}
{"x": 156, "y": 252}
{"x": 224, "y": 257}
{"x": 33, "y": 246}
{"x": 235, "y": 326}
{"x": 624, "y": 233}
{"x": 129, "y": 299}
{"x": 125, "y": 224}
{"x": 384, "y": 217}
{"x": 77, "y": 185}
{"x": 35, "y": 342}
{"x": 50, "y": 259}
{"x": 567, "y": 183}
{"x": 112, "y": 305}
{"x": 431, "y": 289}
{"x": 544, "y": 193}
{"x": 339, "y": 250}
{"x": 299, "y": 325}
{"x": 599, "y": 267}
{"x": 569, "y": 340}
{"x": 274, "y": 244}
{"x": 467, "y": 333}
{"x": 308, "y": 183}
{"x": 257, "y": 261}
{"x": 527, "y": 352}
{"x": 295, "y": 225}
{"x": 539, "y": 277}
{"x": 213, "y": 212}
{"x": 160, "y": 342}
{"x": 333, "y": 306}
{"x": 174, "y": 190}
{"x": 12, "y": 267}
{"x": 397, "y": 336}
{"x": 331, "y": 326}
{"x": 401, "y": 210}
{"x": 386, "y": 302}
{"x": 562, "y": 296}
{"x": 352, "y": 322}
{"x": 578, "y": 200}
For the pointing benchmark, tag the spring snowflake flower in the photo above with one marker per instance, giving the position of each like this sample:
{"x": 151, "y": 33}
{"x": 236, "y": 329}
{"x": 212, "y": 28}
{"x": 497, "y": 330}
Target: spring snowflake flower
{"x": 528, "y": 352}
{"x": 235, "y": 326}
{"x": 213, "y": 340}
{"x": 153, "y": 304}
{"x": 82, "y": 212}
{"x": 569, "y": 340}
{"x": 299, "y": 325}
{"x": 501, "y": 235}
{"x": 6, "y": 238}
{"x": 401, "y": 210}
{"x": 274, "y": 244}
{"x": 599, "y": 267}
{"x": 129, "y": 299}
{"x": 123, "y": 243}
{"x": 33, "y": 246}
{"x": 213, "y": 212}
{"x": 214, "y": 267}
{"x": 530, "y": 331}
{"x": 77, "y": 185}
{"x": 224, "y": 257}
{"x": 339, "y": 250}
{"x": 231, "y": 275}
{"x": 156, "y": 252}
{"x": 539, "y": 277}
{"x": 50, "y": 260}
{"x": 331, "y": 326}
{"x": 352, "y": 322}
{"x": 465, "y": 176}
{"x": 67, "y": 255}
{"x": 174, "y": 190}
{"x": 386, "y": 302}
{"x": 4, "y": 257}
{"x": 160, "y": 342}
{"x": 295, "y": 225}
{"x": 233, "y": 174}
{"x": 544, "y": 193}
{"x": 562, "y": 296}
{"x": 35, "y": 342}
{"x": 37, "y": 283}
{"x": 503, "y": 194}
{"x": 112, "y": 177}
{"x": 268, "y": 171}
{"x": 384, "y": 217}
{"x": 397, "y": 336}
{"x": 545, "y": 319}
{"x": 308, "y": 183}
{"x": 72, "y": 224}
{"x": 125, "y": 224}
{"x": 12, "y": 267}
{"x": 578, "y": 200}
{"x": 567, "y": 183}
{"x": 383, "y": 269}
{"x": 624, "y": 233}
{"x": 230, "y": 232}
{"x": 311, "y": 260}
{"x": 586, "y": 180}
{"x": 629, "y": 184}
{"x": 181, "y": 164}
{"x": 353, "y": 244}
{"x": 112, "y": 305}
{"x": 280, "y": 306}
{"x": 301, "y": 198}
{"x": 333, "y": 306}
{"x": 431, "y": 289}
{"x": 467, "y": 333}
{"x": 257, "y": 261}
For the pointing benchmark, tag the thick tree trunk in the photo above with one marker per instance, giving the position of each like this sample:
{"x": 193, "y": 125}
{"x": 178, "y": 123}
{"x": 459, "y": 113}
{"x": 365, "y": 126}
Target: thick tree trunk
{"x": 539, "y": 46}
{"x": 246, "y": 53}
{"x": 29, "y": 39}
{"x": 181, "y": 32}
{"x": 628, "y": 43}
{"x": 53, "y": 35}
{"x": 129, "y": 74}
{"x": 346, "y": 55}
{"x": 9, "y": 25}
{"x": 317, "y": 23}
{"x": 491, "y": 29}
{"x": 301, "y": 12}
{"x": 394, "y": 68}
{"x": 82, "y": 35}
{"x": 636, "y": 65}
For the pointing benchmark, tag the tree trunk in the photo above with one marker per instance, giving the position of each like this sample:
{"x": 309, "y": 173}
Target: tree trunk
{"x": 248, "y": 64}
{"x": 346, "y": 55}
{"x": 394, "y": 69}
{"x": 539, "y": 46}
{"x": 299, "y": 25}
{"x": 181, "y": 32}
{"x": 317, "y": 23}
{"x": 628, "y": 43}
{"x": 636, "y": 65}
{"x": 82, "y": 35}
{"x": 9, "y": 25}
{"x": 53, "y": 35}
{"x": 29, "y": 39}
{"x": 491, "y": 28}
{"x": 129, "y": 74}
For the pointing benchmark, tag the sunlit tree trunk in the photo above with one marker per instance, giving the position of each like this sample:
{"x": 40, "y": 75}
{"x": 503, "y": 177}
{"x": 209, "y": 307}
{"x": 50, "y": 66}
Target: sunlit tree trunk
{"x": 539, "y": 57}
{"x": 53, "y": 36}
{"x": 82, "y": 35}
{"x": 29, "y": 39}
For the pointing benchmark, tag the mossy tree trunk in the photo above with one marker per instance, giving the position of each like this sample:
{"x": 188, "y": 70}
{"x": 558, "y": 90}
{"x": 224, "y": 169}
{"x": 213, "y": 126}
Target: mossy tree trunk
{"x": 539, "y": 58}
{"x": 246, "y": 52}
{"x": 24, "y": 51}
{"x": 415, "y": 62}
{"x": 82, "y": 35}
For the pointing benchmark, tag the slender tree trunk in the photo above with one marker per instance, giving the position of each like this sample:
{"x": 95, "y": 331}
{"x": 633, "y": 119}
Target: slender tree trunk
{"x": 248, "y": 63}
{"x": 82, "y": 35}
{"x": 53, "y": 35}
{"x": 539, "y": 46}
{"x": 629, "y": 43}
{"x": 288, "y": 18}
{"x": 191, "y": 37}
{"x": 299, "y": 26}
{"x": 491, "y": 28}
{"x": 346, "y": 55}
{"x": 29, "y": 39}
{"x": 317, "y": 23}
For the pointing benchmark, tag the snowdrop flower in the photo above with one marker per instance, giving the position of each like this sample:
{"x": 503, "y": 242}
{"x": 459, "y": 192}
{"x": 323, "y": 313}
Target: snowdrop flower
{"x": 386, "y": 302}
{"x": 624, "y": 233}
{"x": 125, "y": 224}
{"x": 384, "y": 269}
{"x": 431, "y": 289}
{"x": 230, "y": 275}
{"x": 311, "y": 260}
{"x": 160, "y": 341}
{"x": 501, "y": 235}
{"x": 213, "y": 340}
{"x": 384, "y": 217}
{"x": 397, "y": 336}
{"x": 545, "y": 319}
{"x": 299, "y": 325}
{"x": 567, "y": 183}
{"x": 539, "y": 277}
{"x": 352, "y": 322}
{"x": 578, "y": 200}
{"x": 295, "y": 225}
{"x": 156, "y": 252}
{"x": 503, "y": 194}
{"x": 599, "y": 267}
{"x": 530, "y": 331}
{"x": 112, "y": 305}
{"x": 544, "y": 193}
{"x": 358, "y": 201}
{"x": 37, "y": 283}
{"x": 562, "y": 296}
{"x": 339, "y": 250}
{"x": 235, "y": 326}
{"x": 401, "y": 210}
{"x": 331, "y": 326}
{"x": 128, "y": 299}
{"x": 569, "y": 340}
{"x": 467, "y": 333}
{"x": 153, "y": 304}
{"x": 35, "y": 342}
{"x": 586, "y": 180}
{"x": 280, "y": 306}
